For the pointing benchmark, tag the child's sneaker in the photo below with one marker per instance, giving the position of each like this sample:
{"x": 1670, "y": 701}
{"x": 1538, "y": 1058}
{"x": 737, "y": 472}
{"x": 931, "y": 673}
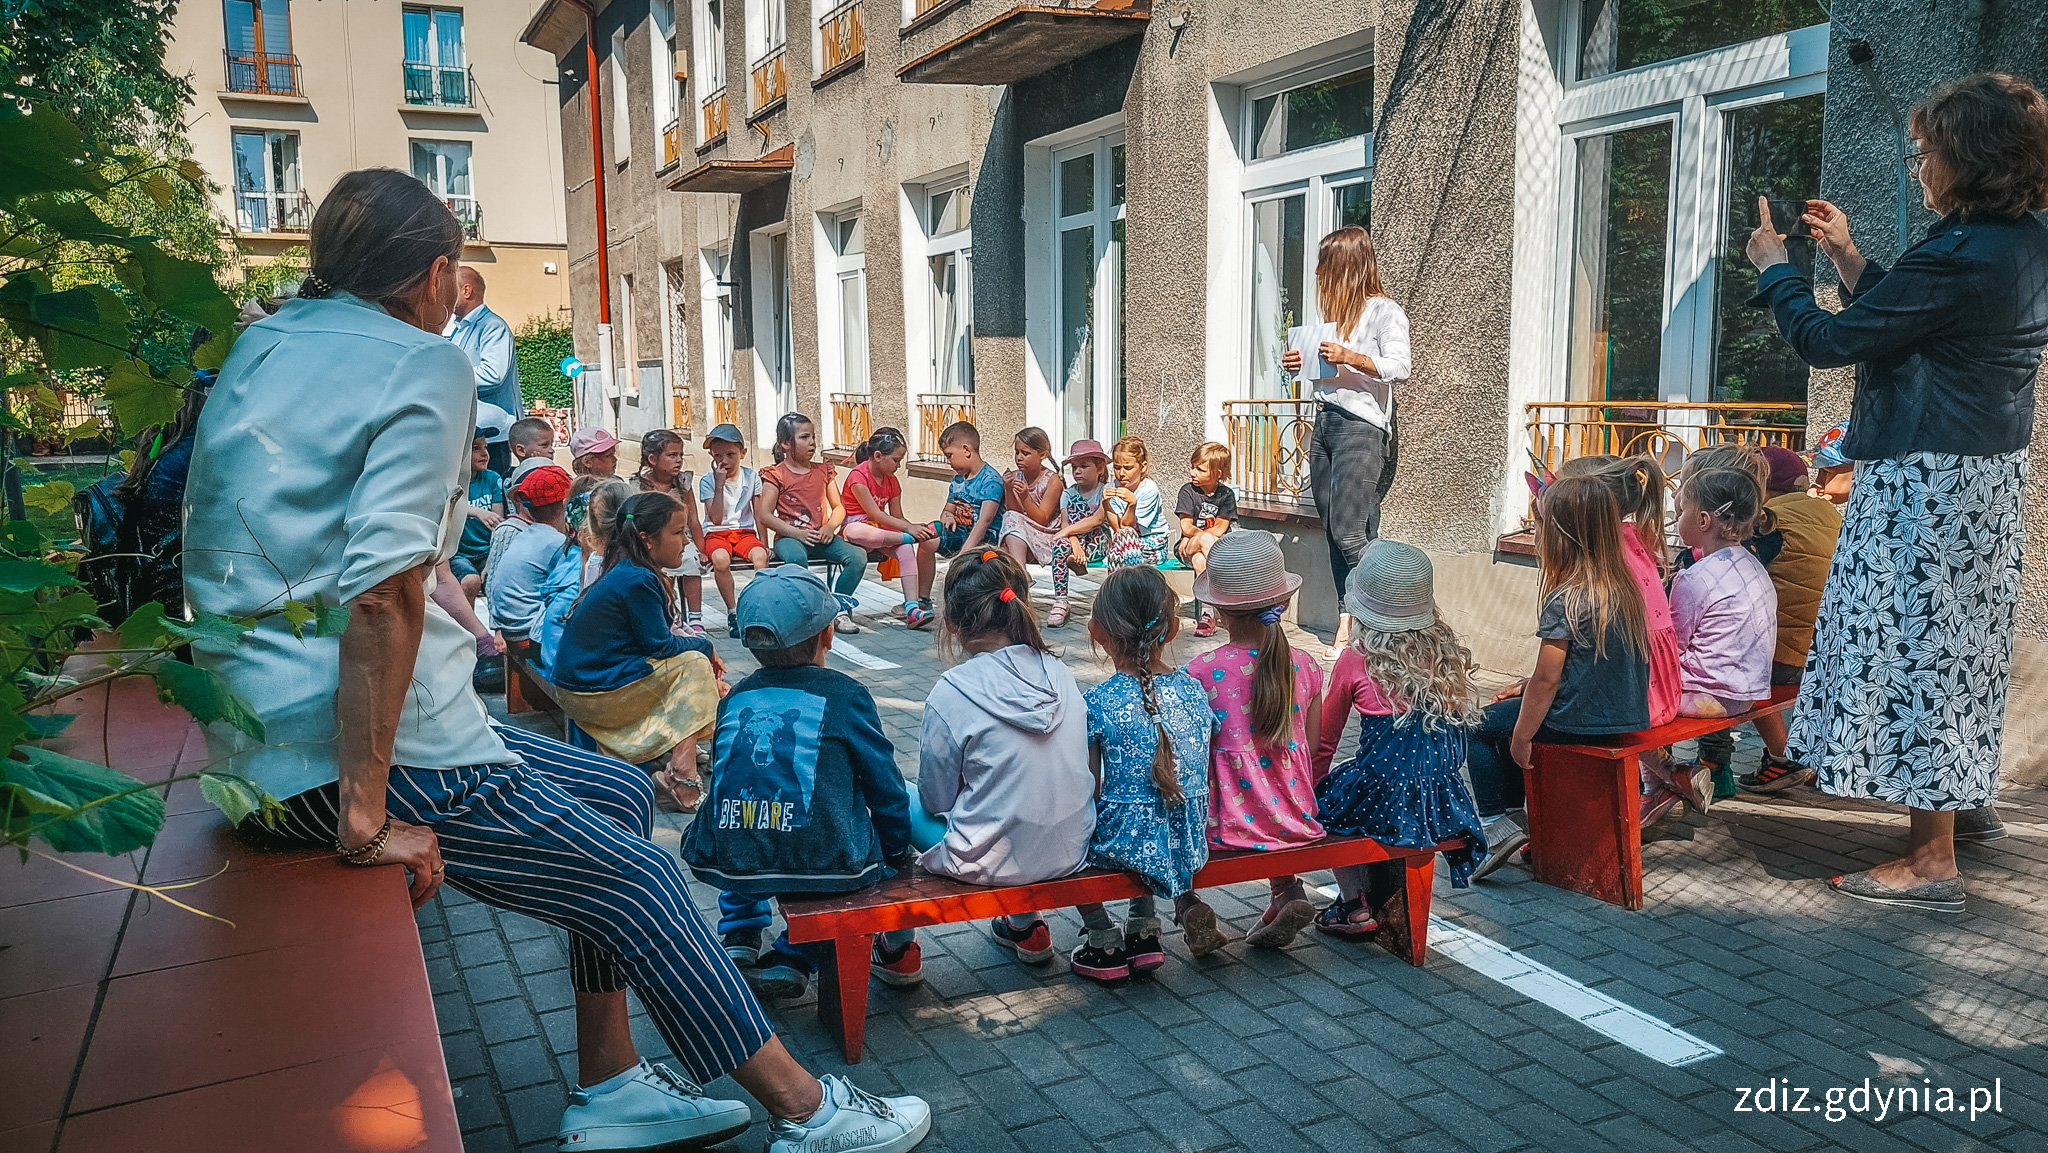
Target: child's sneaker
{"x": 1724, "y": 783}
{"x": 780, "y": 977}
{"x": 1143, "y": 952}
{"x": 1198, "y": 925}
{"x": 851, "y": 1120}
{"x": 844, "y": 624}
{"x": 743, "y": 946}
{"x": 1058, "y": 615}
{"x": 732, "y": 625}
{"x": 1503, "y": 835}
{"x": 1280, "y": 924}
{"x": 916, "y": 615}
{"x": 1205, "y": 623}
{"x": 902, "y": 968}
{"x": 1348, "y": 920}
{"x": 1033, "y": 946}
{"x": 1694, "y": 780}
{"x": 1105, "y": 965}
{"x": 1776, "y": 775}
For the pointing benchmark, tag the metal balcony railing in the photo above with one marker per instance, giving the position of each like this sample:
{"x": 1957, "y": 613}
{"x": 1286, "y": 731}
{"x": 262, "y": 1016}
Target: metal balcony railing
{"x": 842, "y": 38}
{"x": 672, "y": 142}
{"x": 1269, "y": 441}
{"x": 470, "y": 212}
{"x": 262, "y": 73}
{"x": 725, "y": 407}
{"x": 771, "y": 78}
{"x": 713, "y": 116}
{"x": 852, "y": 418}
{"x": 436, "y": 87}
{"x": 273, "y": 211}
{"x": 1562, "y": 430}
{"x": 934, "y": 412}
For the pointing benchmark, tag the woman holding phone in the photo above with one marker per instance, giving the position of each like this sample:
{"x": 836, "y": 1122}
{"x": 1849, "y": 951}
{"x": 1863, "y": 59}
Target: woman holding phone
{"x": 1905, "y": 689}
{"x": 1352, "y": 453}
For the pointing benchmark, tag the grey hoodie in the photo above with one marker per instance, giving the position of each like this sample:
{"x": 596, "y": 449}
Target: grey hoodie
{"x": 1004, "y": 758}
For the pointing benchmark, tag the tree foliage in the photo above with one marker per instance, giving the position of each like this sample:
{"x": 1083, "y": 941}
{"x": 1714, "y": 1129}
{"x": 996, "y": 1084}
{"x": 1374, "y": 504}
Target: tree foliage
{"x": 541, "y": 343}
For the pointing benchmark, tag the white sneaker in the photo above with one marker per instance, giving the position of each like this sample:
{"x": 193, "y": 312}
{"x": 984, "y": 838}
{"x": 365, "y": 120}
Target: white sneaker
{"x": 657, "y": 1107}
{"x": 854, "y": 1121}
{"x": 844, "y": 623}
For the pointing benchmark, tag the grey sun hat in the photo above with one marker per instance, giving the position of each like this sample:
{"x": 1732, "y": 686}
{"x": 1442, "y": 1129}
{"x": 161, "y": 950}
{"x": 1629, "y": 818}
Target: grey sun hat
{"x": 1245, "y": 570}
{"x": 1391, "y": 589}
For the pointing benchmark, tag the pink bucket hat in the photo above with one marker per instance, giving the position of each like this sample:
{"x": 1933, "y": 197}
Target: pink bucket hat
{"x": 585, "y": 441}
{"x": 1084, "y": 449}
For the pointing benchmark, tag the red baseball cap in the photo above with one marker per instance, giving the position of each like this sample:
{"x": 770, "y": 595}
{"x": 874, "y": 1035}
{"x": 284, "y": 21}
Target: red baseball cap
{"x": 547, "y": 484}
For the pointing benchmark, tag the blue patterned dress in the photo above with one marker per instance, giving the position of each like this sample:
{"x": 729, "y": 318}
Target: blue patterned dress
{"x": 1134, "y": 829}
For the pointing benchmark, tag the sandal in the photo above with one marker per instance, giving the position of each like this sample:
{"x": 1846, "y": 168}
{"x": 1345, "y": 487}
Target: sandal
{"x": 1341, "y": 920}
{"x": 676, "y": 790}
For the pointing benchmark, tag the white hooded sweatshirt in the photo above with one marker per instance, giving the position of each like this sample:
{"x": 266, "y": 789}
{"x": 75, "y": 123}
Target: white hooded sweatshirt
{"x": 1004, "y": 758}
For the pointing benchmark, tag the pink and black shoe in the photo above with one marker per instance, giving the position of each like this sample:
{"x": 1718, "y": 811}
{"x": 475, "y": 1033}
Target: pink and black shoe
{"x": 1107, "y": 966}
{"x": 1144, "y": 953}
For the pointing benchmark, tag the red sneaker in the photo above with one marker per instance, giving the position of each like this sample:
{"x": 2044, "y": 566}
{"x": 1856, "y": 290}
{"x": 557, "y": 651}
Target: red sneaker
{"x": 1032, "y": 946}
{"x": 899, "y": 969}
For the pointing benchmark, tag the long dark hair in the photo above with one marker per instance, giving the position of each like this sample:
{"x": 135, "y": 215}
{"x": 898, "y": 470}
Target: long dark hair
{"x": 785, "y": 433}
{"x": 653, "y": 445}
{"x": 1271, "y": 716}
{"x": 989, "y": 594}
{"x": 377, "y": 235}
{"x": 1135, "y": 611}
{"x": 881, "y": 442}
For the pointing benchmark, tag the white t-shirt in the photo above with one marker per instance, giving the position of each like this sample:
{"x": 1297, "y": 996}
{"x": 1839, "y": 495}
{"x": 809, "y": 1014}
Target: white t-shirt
{"x": 1382, "y": 334}
{"x": 738, "y": 499}
{"x": 1151, "y": 519}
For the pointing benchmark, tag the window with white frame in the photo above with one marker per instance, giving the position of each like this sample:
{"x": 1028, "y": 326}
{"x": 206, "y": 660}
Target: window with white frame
{"x": 948, "y": 256}
{"x": 709, "y": 47}
{"x": 436, "y": 70}
{"x": 622, "y": 118}
{"x": 675, "y": 349}
{"x": 767, "y": 43}
{"x": 844, "y": 299}
{"x": 629, "y": 342}
{"x": 1088, "y": 275}
{"x": 715, "y": 292}
{"x": 1307, "y": 151}
{"x": 665, "y": 81}
{"x": 774, "y": 336}
{"x": 269, "y": 191}
{"x": 443, "y": 166}
{"x": 1675, "y": 119}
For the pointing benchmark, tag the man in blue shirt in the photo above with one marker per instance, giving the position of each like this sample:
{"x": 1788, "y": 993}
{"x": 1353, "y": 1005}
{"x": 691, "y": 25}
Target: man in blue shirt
{"x": 487, "y": 339}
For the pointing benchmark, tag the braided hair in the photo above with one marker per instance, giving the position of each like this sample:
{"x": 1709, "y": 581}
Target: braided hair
{"x": 1135, "y": 616}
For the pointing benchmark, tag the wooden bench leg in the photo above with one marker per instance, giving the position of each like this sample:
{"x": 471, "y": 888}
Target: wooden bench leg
{"x": 516, "y": 702}
{"x": 1585, "y": 827}
{"x": 843, "y": 994}
{"x": 1404, "y": 917}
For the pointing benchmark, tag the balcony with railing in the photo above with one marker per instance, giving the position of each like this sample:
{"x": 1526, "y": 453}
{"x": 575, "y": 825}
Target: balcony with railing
{"x": 262, "y": 74}
{"x": 770, "y": 80}
{"x": 1563, "y": 430}
{"x": 993, "y": 42}
{"x": 469, "y": 212}
{"x": 936, "y": 410}
{"x": 852, "y": 419}
{"x": 711, "y": 118}
{"x": 725, "y": 407}
{"x": 842, "y": 39}
{"x": 1269, "y": 441}
{"x": 672, "y": 142}
{"x": 268, "y": 212}
{"x": 431, "y": 86}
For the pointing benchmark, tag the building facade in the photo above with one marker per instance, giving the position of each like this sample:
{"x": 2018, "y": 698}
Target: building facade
{"x": 291, "y": 94}
{"x": 1102, "y": 218}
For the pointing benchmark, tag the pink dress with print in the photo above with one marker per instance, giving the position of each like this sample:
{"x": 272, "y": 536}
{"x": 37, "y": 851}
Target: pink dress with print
{"x": 1664, "y": 680}
{"x": 1261, "y": 798}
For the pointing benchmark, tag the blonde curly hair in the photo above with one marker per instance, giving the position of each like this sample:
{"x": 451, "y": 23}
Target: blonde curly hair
{"x": 1425, "y": 673}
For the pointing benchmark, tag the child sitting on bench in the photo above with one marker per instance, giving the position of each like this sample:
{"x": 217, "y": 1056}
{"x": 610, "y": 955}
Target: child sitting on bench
{"x": 804, "y": 796}
{"x": 1003, "y": 757}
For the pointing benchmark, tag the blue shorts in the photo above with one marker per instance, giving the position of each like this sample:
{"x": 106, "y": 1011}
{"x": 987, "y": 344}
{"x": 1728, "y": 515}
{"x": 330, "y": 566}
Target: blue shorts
{"x": 462, "y": 566}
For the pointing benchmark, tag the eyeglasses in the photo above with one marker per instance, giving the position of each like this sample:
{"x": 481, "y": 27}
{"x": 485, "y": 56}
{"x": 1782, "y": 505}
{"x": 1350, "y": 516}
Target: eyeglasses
{"x": 1914, "y": 160}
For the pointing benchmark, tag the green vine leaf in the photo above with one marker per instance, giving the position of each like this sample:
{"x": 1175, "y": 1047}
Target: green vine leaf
{"x": 44, "y": 726}
{"x": 299, "y": 614}
{"x": 210, "y": 631}
{"x": 205, "y": 695}
{"x": 214, "y": 353}
{"x": 146, "y": 628}
{"x": 26, "y": 576}
{"x": 183, "y": 288}
{"x": 240, "y": 798}
{"x": 53, "y": 497}
{"x": 333, "y": 617}
{"x": 44, "y": 154}
{"x": 41, "y": 784}
{"x": 139, "y": 398}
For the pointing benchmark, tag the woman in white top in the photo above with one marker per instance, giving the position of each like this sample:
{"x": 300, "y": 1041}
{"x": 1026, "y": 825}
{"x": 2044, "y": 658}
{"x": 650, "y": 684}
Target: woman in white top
{"x": 1354, "y": 446}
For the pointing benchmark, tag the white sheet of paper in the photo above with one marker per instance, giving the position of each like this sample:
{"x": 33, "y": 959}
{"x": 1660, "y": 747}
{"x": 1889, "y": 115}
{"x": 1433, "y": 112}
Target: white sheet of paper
{"x": 1308, "y": 341}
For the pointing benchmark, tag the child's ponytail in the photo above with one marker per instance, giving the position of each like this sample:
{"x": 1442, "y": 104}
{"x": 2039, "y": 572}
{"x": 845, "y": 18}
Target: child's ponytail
{"x": 1638, "y": 484}
{"x": 989, "y": 594}
{"x": 1272, "y": 711}
{"x": 1135, "y": 610}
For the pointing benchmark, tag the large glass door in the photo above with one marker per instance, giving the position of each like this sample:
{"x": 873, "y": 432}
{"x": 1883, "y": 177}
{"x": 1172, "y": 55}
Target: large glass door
{"x": 1088, "y": 195}
{"x": 1620, "y": 250}
{"x": 1772, "y": 150}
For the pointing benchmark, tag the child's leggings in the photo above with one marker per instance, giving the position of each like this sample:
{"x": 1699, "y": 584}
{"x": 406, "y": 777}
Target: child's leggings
{"x": 1094, "y": 548}
{"x": 868, "y": 536}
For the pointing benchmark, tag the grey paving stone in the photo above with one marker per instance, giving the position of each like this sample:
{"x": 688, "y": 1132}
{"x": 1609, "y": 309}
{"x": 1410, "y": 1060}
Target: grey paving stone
{"x": 522, "y": 1063}
{"x": 497, "y": 1139}
{"x": 536, "y": 1113}
{"x": 476, "y": 1103}
{"x": 507, "y": 1020}
{"x": 1178, "y": 1123}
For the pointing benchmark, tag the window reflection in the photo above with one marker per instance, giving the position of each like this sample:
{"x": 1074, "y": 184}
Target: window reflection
{"x": 1278, "y": 233}
{"x": 1774, "y": 151}
{"x": 1616, "y": 35}
{"x": 1313, "y": 114}
{"x": 1618, "y": 262}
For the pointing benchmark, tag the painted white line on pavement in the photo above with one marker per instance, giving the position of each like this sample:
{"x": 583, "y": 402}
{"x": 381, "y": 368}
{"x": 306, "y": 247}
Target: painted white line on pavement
{"x": 854, "y": 654}
{"x": 1590, "y": 1007}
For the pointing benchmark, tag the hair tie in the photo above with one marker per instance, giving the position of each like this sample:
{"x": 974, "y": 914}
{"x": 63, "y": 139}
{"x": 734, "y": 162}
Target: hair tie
{"x": 988, "y": 555}
{"x": 1272, "y": 613}
{"x": 1008, "y": 594}
{"x": 625, "y": 516}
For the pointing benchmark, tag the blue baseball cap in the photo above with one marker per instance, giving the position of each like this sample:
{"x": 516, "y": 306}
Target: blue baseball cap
{"x": 784, "y": 607}
{"x": 1827, "y": 451}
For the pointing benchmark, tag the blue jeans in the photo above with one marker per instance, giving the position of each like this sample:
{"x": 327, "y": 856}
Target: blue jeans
{"x": 1497, "y": 784}
{"x": 852, "y": 560}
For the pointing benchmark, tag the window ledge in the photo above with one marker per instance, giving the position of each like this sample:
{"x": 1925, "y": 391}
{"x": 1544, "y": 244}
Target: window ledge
{"x": 710, "y": 144}
{"x": 441, "y": 109}
{"x": 294, "y": 237}
{"x": 767, "y": 110}
{"x": 262, "y": 98}
{"x": 844, "y": 68}
{"x": 928, "y": 17}
{"x": 1288, "y": 511}
{"x": 930, "y": 469}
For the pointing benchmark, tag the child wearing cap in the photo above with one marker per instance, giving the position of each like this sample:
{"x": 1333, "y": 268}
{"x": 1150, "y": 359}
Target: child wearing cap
{"x": 1267, "y": 699}
{"x": 798, "y": 804}
{"x": 1085, "y": 535}
{"x": 727, "y": 495}
{"x": 1834, "y": 472}
{"x": 540, "y": 568}
{"x": 1408, "y": 678}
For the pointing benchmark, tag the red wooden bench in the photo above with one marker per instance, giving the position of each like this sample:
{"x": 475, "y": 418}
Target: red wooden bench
{"x": 1585, "y": 817}
{"x": 919, "y": 898}
{"x": 526, "y": 691}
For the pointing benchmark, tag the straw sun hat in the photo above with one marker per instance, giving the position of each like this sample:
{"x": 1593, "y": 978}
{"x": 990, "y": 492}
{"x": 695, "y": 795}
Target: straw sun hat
{"x": 1245, "y": 571}
{"x": 1391, "y": 589}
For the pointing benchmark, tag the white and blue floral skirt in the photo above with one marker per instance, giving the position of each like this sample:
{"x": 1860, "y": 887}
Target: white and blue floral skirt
{"x": 1904, "y": 694}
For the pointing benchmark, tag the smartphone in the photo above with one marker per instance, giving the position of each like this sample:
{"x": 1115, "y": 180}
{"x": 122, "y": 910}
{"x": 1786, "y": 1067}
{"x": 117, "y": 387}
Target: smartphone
{"x": 1788, "y": 217}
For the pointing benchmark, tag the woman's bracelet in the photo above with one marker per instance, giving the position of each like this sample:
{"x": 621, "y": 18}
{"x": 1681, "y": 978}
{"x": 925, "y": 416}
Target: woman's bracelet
{"x": 366, "y": 854}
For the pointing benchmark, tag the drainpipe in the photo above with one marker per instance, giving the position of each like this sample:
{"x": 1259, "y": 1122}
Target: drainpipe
{"x": 604, "y": 274}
